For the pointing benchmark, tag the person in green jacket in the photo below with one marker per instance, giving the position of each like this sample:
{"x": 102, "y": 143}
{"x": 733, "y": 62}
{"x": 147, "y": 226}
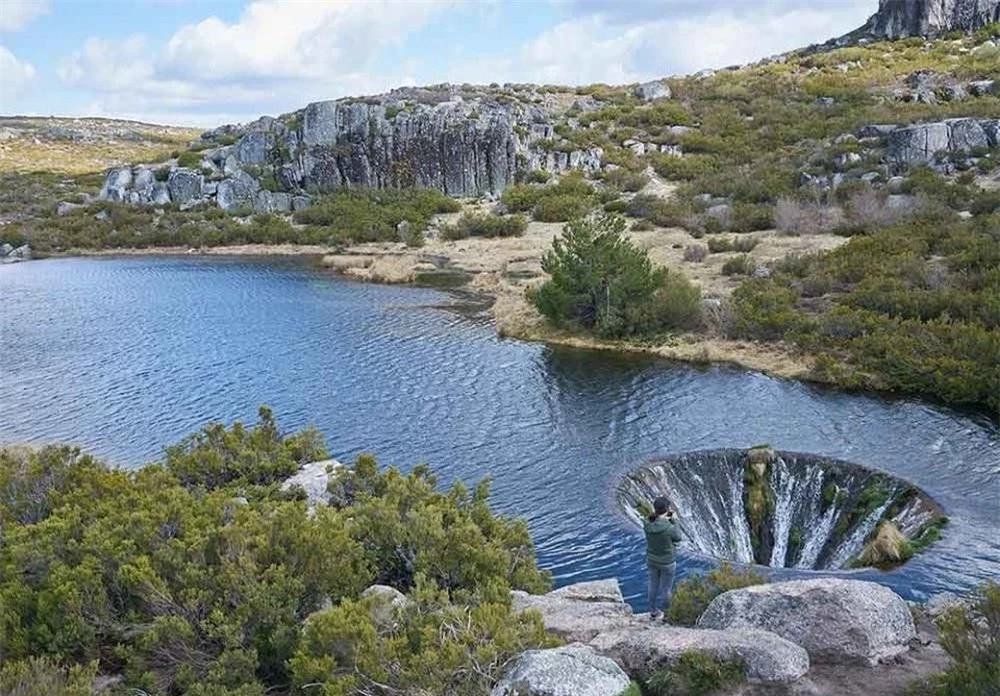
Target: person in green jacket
{"x": 662, "y": 536}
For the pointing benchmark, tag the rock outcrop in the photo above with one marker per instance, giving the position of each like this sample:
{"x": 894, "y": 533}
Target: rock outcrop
{"x": 574, "y": 619}
{"x": 464, "y": 142}
{"x": 595, "y": 614}
{"x": 645, "y": 651}
{"x": 836, "y": 621}
{"x": 10, "y": 254}
{"x": 571, "y": 670}
{"x": 921, "y": 143}
{"x": 896, "y": 19}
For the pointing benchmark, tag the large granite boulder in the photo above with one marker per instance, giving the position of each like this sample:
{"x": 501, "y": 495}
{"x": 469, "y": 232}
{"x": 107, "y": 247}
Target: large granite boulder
{"x": 184, "y": 186}
{"x": 313, "y": 478}
{"x": 917, "y": 144}
{"x": 652, "y": 91}
{"x": 645, "y": 650}
{"x": 237, "y": 191}
{"x": 897, "y": 19}
{"x": 117, "y": 184}
{"x": 571, "y": 670}
{"x": 385, "y": 601}
{"x": 835, "y": 620}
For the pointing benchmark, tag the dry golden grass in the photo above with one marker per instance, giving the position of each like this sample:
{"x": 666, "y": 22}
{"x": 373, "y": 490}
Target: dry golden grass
{"x": 887, "y": 547}
{"x": 26, "y": 144}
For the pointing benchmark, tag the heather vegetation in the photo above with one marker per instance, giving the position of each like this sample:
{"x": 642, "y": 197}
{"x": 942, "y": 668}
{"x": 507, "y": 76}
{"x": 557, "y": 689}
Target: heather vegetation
{"x": 198, "y": 575}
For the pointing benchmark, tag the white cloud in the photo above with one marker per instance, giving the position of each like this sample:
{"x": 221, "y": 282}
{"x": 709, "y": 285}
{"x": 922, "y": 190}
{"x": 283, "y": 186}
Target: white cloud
{"x": 17, "y": 14}
{"x": 15, "y": 76}
{"x": 276, "y": 56}
{"x": 602, "y": 44}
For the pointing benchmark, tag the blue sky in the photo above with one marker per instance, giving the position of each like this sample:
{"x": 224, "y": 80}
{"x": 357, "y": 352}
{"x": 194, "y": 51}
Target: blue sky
{"x": 204, "y": 62}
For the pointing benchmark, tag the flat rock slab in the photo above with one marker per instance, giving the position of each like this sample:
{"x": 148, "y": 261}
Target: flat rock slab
{"x": 573, "y": 619}
{"x": 645, "y": 651}
{"x": 593, "y": 591}
{"x": 837, "y": 621}
{"x": 572, "y": 670}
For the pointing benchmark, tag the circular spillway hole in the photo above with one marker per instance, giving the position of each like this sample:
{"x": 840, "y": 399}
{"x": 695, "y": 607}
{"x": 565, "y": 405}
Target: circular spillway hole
{"x": 786, "y": 509}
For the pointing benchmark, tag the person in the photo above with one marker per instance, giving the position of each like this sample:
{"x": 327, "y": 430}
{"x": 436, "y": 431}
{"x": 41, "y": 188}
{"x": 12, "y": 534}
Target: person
{"x": 662, "y": 536}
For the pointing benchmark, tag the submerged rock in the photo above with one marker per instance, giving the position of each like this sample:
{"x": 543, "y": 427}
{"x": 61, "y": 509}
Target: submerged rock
{"x": 836, "y": 621}
{"x": 571, "y": 670}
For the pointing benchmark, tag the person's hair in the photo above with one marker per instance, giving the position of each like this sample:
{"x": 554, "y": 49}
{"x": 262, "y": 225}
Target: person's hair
{"x": 660, "y": 506}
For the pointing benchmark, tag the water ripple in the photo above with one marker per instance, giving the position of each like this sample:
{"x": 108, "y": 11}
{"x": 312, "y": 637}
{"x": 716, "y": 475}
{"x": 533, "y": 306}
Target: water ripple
{"x": 126, "y": 356}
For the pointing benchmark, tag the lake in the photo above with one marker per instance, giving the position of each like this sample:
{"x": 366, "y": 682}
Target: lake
{"x": 125, "y": 356}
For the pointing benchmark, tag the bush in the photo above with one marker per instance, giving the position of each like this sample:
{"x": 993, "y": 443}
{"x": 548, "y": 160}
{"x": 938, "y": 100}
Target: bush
{"x": 763, "y": 310}
{"x": 794, "y": 217}
{"x": 602, "y": 282}
{"x": 520, "y": 198}
{"x": 359, "y": 215}
{"x": 561, "y": 208}
{"x": 696, "y": 673}
{"x": 484, "y": 225}
{"x": 738, "y": 265}
{"x": 693, "y": 594}
{"x": 695, "y": 253}
{"x": 199, "y": 581}
{"x": 431, "y": 646}
{"x": 189, "y": 159}
{"x": 971, "y": 636}
{"x": 718, "y": 245}
{"x": 41, "y": 676}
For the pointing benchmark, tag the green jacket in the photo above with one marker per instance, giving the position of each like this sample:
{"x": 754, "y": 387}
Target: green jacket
{"x": 661, "y": 538}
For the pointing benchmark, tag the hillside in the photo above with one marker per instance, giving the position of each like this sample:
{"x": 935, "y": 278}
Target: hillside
{"x": 743, "y": 180}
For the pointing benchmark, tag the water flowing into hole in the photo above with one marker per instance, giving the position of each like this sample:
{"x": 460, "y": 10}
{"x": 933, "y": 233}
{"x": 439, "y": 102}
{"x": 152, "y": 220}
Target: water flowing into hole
{"x": 786, "y": 510}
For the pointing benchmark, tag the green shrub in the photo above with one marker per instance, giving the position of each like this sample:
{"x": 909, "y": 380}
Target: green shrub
{"x": 189, "y": 159}
{"x": 738, "y": 265}
{"x": 429, "y": 646}
{"x": 764, "y": 310}
{"x": 538, "y": 176}
{"x": 360, "y": 215}
{"x": 602, "y": 282}
{"x": 162, "y": 173}
{"x": 693, "y": 594}
{"x": 485, "y": 225}
{"x": 520, "y": 198}
{"x": 561, "y": 208}
{"x": 696, "y": 673}
{"x": 198, "y": 580}
{"x": 971, "y": 637}
{"x": 41, "y": 676}
{"x": 718, "y": 245}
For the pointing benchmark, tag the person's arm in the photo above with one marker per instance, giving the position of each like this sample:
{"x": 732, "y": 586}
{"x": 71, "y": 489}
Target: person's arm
{"x": 675, "y": 531}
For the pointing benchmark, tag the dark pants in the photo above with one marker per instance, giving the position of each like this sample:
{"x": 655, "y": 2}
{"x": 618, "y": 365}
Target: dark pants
{"x": 661, "y": 584}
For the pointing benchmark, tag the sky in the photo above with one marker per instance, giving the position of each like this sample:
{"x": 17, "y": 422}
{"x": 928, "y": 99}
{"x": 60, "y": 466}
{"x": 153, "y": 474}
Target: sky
{"x": 207, "y": 62}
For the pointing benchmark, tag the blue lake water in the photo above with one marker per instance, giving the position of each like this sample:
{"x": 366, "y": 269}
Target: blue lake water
{"x": 125, "y": 356}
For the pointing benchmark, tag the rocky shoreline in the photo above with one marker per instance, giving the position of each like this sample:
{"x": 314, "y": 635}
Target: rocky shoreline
{"x": 803, "y": 637}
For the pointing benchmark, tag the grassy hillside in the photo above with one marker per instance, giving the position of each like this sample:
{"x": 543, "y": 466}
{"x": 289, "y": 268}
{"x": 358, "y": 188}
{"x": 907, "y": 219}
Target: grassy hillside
{"x": 756, "y": 183}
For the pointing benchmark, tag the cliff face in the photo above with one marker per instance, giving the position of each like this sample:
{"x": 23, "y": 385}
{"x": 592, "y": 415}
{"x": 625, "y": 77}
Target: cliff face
{"x": 901, "y": 18}
{"x": 462, "y": 141}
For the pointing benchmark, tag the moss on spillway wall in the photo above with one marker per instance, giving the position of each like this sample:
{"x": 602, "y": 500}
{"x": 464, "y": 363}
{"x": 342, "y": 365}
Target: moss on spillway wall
{"x": 785, "y": 509}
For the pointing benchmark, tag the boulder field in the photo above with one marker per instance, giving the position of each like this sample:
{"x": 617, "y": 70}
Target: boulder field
{"x": 816, "y": 637}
